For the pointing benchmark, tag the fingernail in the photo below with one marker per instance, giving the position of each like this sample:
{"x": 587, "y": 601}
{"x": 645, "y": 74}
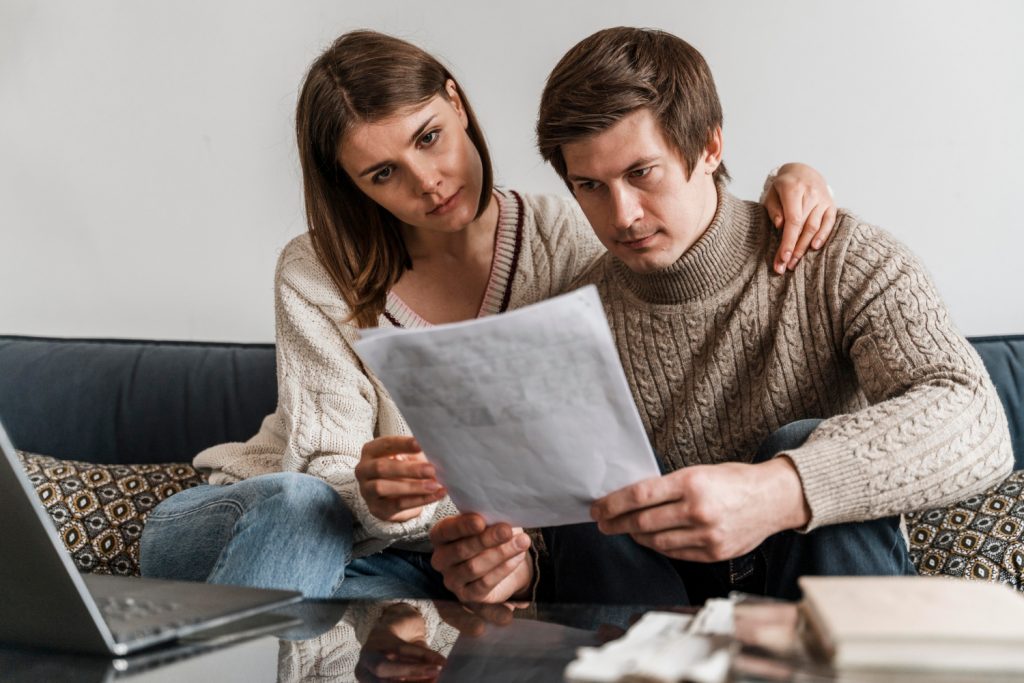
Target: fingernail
{"x": 793, "y": 262}
{"x": 788, "y": 255}
{"x": 817, "y": 244}
{"x": 780, "y": 268}
{"x": 778, "y": 220}
{"x": 432, "y": 486}
{"x": 416, "y": 445}
{"x": 522, "y": 542}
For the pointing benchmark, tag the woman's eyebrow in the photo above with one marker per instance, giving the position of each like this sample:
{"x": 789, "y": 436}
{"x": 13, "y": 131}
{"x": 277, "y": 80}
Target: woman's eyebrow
{"x": 412, "y": 138}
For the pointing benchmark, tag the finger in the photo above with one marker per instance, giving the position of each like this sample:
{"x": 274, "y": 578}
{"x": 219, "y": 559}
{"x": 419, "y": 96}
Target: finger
{"x": 488, "y": 568}
{"x": 399, "y": 488}
{"x": 384, "y": 446}
{"x": 793, "y": 215}
{"x": 452, "y": 529}
{"x": 828, "y": 221}
{"x": 672, "y": 540}
{"x": 643, "y": 494}
{"x": 469, "y": 547}
{"x": 811, "y": 227}
{"x": 393, "y": 468}
{"x": 773, "y": 206}
{"x": 649, "y": 520}
{"x": 490, "y": 583}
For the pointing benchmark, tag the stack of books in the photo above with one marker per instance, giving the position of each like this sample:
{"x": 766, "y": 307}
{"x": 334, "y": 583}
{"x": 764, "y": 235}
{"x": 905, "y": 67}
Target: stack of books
{"x": 916, "y": 623}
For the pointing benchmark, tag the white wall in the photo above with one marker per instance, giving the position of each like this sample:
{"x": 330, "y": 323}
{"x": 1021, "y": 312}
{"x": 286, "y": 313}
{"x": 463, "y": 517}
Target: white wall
{"x": 148, "y": 177}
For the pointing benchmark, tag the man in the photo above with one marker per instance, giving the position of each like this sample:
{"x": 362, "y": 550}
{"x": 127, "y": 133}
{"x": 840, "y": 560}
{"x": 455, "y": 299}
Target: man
{"x": 719, "y": 355}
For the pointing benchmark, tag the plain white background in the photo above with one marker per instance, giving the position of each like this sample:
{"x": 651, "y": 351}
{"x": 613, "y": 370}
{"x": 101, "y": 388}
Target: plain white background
{"x": 148, "y": 176}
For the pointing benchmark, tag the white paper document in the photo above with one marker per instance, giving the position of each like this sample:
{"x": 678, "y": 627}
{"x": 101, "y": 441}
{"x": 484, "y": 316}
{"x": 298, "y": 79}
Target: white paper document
{"x": 526, "y": 415}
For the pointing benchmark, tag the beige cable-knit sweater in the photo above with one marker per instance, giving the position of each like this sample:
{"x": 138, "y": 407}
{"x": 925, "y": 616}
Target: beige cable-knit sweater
{"x": 329, "y": 405}
{"x": 719, "y": 352}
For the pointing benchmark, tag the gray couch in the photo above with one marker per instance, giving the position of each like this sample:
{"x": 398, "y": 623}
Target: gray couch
{"x": 147, "y": 402}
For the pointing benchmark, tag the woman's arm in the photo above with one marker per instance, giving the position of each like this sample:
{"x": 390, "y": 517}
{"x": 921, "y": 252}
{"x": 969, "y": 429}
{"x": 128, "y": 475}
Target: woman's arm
{"x": 800, "y": 202}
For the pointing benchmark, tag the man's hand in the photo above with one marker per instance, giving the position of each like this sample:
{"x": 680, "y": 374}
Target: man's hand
{"x": 707, "y": 513}
{"x": 395, "y": 479}
{"x": 481, "y": 563}
{"x": 800, "y": 203}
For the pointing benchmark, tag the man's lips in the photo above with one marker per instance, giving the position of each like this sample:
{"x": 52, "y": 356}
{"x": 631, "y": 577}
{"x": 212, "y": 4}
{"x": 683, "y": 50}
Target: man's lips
{"x": 638, "y": 243}
{"x": 445, "y": 206}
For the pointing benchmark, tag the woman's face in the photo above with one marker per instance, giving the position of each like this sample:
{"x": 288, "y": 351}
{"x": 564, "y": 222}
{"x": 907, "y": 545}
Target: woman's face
{"x": 419, "y": 164}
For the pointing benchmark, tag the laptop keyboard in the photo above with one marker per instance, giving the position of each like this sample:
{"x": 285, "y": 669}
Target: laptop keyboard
{"x": 126, "y": 609}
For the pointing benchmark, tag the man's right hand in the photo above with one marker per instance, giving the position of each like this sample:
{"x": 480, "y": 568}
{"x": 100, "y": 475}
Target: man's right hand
{"x": 395, "y": 479}
{"x": 482, "y": 563}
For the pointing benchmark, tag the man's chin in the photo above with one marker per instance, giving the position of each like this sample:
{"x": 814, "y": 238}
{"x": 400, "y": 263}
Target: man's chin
{"x": 643, "y": 264}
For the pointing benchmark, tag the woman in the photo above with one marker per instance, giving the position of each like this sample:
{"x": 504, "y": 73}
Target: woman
{"x": 405, "y": 229}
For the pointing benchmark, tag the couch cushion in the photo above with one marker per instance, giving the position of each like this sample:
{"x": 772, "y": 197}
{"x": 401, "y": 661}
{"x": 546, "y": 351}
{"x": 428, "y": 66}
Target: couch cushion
{"x": 132, "y": 401}
{"x": 979, "y": 538}
{"x": 1004, "y": 358}
{"x": 99, "y": 510}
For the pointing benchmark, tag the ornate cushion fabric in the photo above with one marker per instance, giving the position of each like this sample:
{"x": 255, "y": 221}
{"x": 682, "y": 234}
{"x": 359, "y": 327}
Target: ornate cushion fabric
{"x": 979, "y": 538}
{"x": 99, "y": 510}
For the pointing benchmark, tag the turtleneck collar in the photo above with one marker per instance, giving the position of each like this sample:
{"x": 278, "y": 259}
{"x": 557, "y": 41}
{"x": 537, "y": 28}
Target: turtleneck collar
{"x": 714, "y": 260}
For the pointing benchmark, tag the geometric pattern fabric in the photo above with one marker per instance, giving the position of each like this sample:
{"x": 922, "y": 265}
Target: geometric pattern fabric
{"x": 980, "y": 538}
{"x": 99, "y": 510}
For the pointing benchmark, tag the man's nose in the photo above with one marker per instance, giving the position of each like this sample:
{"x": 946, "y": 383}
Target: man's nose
{"x": 625, "y": 207}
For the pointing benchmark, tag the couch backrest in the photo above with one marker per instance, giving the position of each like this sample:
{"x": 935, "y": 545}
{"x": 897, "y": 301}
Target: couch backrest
{"x": 145, "y": 401}
{"x": 118, "y": 401}
{"x": 1004, "y": 358}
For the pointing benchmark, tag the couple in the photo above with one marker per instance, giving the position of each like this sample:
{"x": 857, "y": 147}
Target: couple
{"x": 796, "y": 416}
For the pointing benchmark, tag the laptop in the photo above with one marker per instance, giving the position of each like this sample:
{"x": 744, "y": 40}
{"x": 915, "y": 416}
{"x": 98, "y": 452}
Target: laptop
{"x": 47, "y": 603}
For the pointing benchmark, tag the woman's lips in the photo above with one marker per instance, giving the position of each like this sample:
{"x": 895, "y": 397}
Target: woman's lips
{"x": 447, "y": 205}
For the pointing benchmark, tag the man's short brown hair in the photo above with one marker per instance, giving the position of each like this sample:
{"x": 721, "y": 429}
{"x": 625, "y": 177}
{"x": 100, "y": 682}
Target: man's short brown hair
{"x": 617, "y": 71}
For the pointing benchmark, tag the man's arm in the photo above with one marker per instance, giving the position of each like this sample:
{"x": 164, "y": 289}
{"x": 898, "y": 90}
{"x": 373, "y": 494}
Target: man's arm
{"x": 935, "y": 432}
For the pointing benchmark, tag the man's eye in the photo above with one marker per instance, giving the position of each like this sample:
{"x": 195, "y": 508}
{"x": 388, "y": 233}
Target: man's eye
{"x": 640, "y": 172}
{"x": 587, "y": 185}
{"x": 382, "y": 175}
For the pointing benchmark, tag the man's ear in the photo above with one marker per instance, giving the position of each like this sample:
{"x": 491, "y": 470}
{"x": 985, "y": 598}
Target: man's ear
{"x": 713, "y": 151}
{"x": 452, "y": 91}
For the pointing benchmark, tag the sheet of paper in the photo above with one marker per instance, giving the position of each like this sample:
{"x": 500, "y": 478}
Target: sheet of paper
{"x": 527, "y": 415}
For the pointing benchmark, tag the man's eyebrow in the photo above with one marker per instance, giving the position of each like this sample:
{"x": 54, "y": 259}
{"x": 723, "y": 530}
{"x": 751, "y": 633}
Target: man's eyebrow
{"x": 412, "y": 138}
{"x": 637, "y": 163}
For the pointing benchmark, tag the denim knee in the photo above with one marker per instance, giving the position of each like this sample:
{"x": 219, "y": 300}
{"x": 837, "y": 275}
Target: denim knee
{"x": 787, "y": 436}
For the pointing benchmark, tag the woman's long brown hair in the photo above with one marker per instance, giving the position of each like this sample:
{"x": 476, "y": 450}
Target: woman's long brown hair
{"x": 363, "y": 77}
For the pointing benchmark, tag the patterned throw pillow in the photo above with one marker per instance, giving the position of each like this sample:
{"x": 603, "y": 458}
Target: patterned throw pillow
{"x": 981, "y": 538}
{"x": 99, "y": 510}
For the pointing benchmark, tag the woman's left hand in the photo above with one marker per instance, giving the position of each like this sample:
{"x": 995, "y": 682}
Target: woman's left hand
{"x": 800, "y": 203}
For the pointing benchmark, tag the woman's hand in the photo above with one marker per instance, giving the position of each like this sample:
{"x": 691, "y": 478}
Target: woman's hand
{"x": 800, "y": 203}
{"x": 395, "y": 479}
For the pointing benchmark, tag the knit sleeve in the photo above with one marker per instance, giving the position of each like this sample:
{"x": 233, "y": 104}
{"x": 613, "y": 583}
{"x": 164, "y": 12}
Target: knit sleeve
{"x": 329, "y": 405}
{"x": 934, "y": 431}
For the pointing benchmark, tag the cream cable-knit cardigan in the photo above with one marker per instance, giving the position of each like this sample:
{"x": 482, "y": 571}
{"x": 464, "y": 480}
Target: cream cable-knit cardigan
{"x": 329, "y": 405}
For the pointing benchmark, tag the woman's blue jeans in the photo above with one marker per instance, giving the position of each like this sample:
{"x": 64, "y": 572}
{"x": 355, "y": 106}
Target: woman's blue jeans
{"x": 284, "y": 530}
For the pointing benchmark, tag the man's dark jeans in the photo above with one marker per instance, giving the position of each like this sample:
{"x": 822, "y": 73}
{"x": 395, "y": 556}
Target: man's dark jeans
{"x": 586, "y": 566}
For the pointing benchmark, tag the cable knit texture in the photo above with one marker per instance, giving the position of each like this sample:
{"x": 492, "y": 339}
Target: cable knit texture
{"x": 329, "y": 405}
{"x": 720, "y": 352}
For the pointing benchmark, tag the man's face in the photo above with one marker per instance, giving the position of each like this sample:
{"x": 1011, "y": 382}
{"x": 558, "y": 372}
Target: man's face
{"x": 632, "y": 185}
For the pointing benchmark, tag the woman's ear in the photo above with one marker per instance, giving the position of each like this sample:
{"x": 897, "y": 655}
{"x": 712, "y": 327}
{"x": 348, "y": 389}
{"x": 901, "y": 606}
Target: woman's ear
{"x": 452, "y": 91}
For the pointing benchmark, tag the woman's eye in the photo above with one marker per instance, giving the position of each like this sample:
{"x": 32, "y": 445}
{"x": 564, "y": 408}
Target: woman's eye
{"x": 430, "y": 138}
{"x": 382, "y": 175}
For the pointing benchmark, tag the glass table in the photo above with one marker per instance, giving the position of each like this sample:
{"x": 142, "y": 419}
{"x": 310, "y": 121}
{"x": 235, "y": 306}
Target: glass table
{"x": 423, "y": 640}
